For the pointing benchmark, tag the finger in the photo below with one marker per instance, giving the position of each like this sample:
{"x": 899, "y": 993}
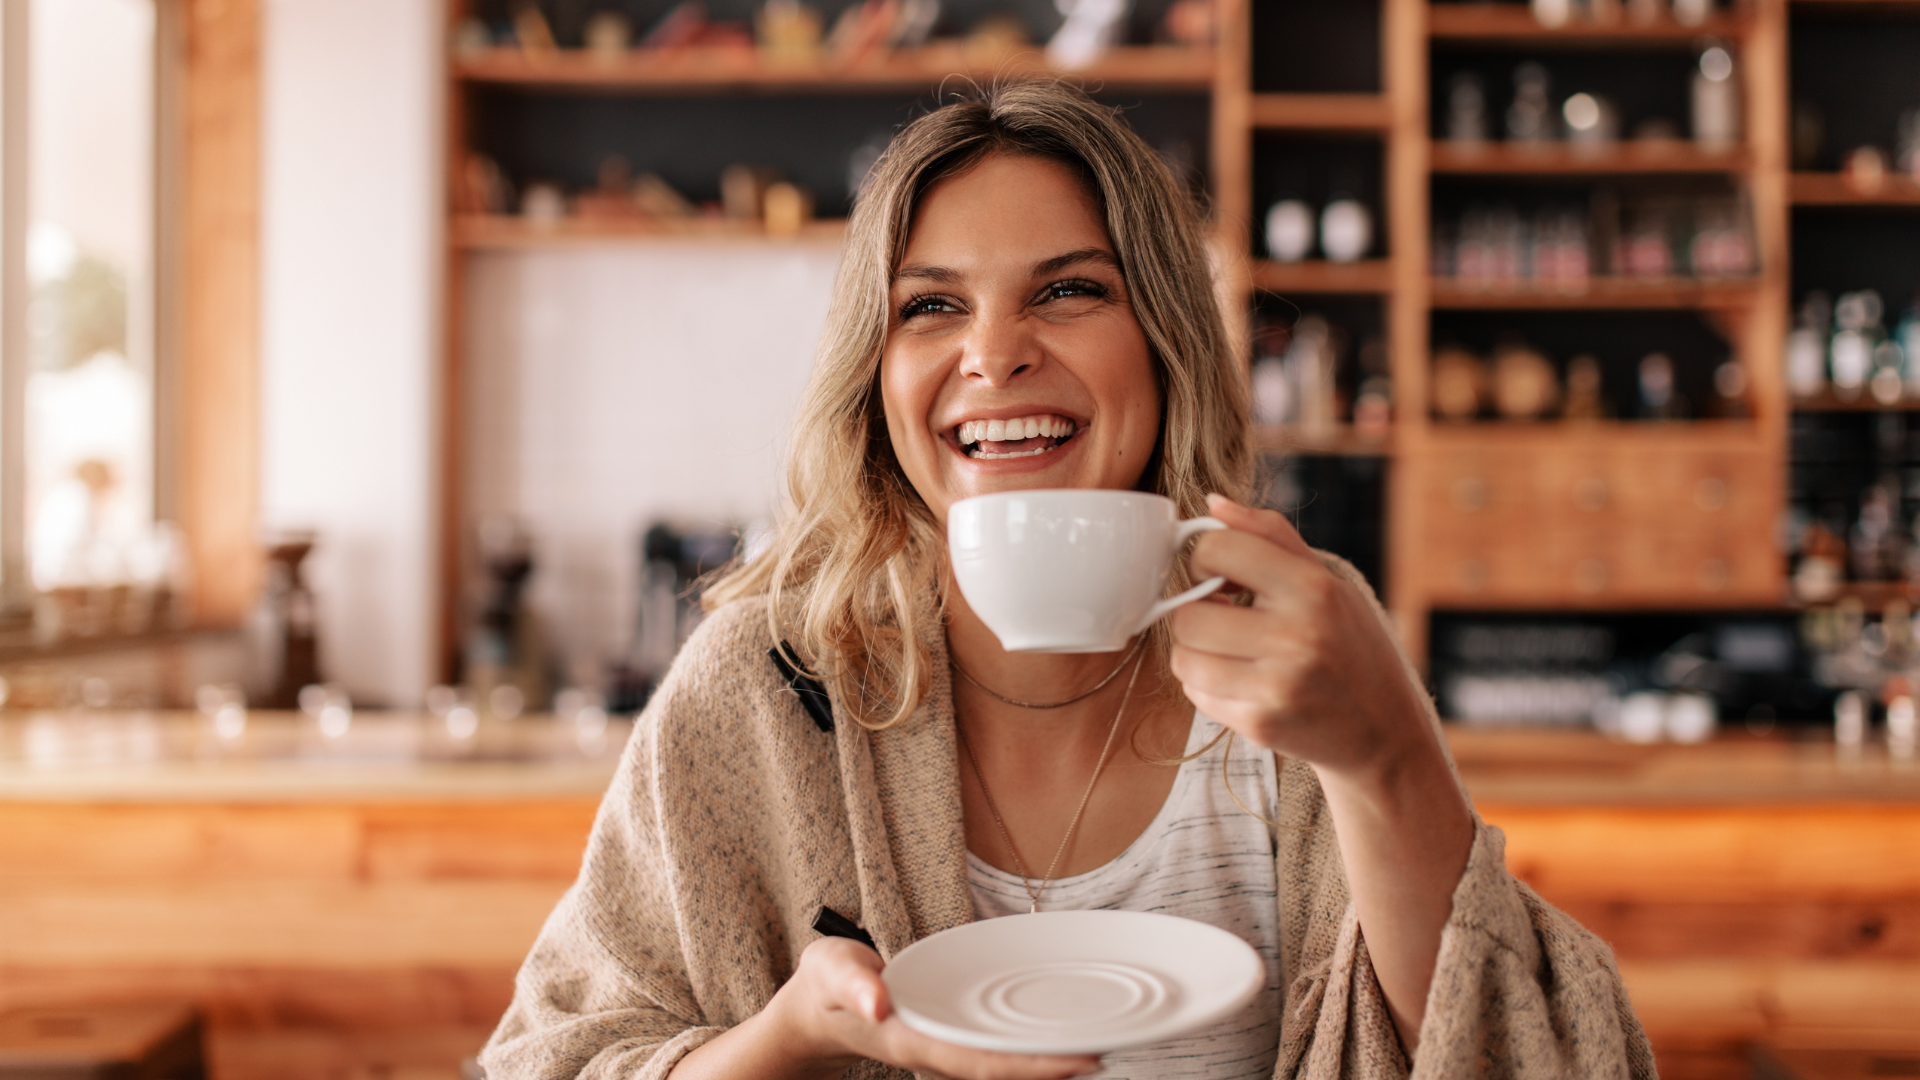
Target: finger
{"x": 1243, "y": 633}
{"x": 1266, "y": 684}
{"x": 852, "y": 973}
{"x": 1271, "y": 571}
{"x": 1270, "y": 525}
{"x": 964, "y": 1063}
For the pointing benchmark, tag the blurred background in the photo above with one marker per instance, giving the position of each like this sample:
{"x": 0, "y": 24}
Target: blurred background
{"x": 379, "y": 380}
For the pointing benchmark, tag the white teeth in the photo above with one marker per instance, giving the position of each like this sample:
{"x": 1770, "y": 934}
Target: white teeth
{"x": 970, "y": 432}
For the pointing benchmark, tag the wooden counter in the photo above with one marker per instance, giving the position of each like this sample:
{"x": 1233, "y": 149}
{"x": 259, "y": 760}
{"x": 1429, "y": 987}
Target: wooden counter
{"x": 344, "y": 909}
{"x": 1752, "y": 888}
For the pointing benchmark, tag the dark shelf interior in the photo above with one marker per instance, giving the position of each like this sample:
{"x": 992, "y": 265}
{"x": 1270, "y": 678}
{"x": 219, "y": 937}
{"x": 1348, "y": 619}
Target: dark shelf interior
{"x": 1318, "y": 169}
{"x": 1315, "y": 47}
{"x": 1619, "y": 340}
{"x": 1842, "y": 249}
{"x": 808, "y": 138}
{"x": 1751, "y": 662}
{"x": 1859, "y": 75}
{"x": 1642, "y": 85}
{"x": 1337, "y": 502}
{"x": 1837, "y": 456}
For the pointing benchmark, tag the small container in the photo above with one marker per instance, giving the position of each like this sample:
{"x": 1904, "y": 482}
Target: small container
{"x": 1289, "y": 230}
{"x": 1346, "y": 230}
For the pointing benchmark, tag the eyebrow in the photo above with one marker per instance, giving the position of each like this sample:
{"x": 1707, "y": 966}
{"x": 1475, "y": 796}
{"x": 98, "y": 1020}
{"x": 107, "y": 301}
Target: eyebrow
{"x": 948, "y": 276}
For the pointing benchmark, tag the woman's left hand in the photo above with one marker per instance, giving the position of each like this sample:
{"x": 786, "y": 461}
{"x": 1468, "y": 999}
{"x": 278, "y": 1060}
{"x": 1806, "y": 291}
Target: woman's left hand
{"x": 1308, "y": 671}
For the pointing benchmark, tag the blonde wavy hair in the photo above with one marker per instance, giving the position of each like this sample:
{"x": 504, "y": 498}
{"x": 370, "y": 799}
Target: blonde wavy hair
{"x": 853, "y": 569}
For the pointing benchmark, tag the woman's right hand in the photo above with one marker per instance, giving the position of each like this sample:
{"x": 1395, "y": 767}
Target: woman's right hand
{"x": 836, "y": 1011}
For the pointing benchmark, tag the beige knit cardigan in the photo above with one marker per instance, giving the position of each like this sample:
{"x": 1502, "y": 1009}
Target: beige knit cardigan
{"x": 734, "y": 818}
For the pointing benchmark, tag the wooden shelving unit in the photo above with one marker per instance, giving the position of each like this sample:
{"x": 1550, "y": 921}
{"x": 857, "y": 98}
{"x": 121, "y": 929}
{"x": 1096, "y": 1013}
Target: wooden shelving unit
{"x": 1652, "y": 157}
{"x": 1833, "y": 189}
{"x": 1369, "y": 276}
{"x": 1514, "y": 25}
{"x": 706, "y": 69}
{"x": 1320, "y": 112}
{"x": 1597, "y": 293}
{"x": 1339, "y": 439}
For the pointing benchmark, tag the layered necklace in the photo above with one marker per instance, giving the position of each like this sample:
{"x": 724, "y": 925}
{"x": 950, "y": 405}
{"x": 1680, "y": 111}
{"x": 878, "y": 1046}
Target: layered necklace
{"x": 1034, "y": 892}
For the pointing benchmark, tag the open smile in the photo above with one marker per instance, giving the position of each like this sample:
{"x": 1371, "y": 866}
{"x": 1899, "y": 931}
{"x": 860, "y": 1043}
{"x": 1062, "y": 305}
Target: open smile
{"x": 1020, "y": 437}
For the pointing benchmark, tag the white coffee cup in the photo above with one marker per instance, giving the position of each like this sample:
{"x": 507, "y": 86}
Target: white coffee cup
{"x": 1070, "y": 571}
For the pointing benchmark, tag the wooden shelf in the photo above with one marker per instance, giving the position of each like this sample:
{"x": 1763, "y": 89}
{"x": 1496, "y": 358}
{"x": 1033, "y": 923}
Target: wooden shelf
{"x": 1872, "y": 595}
{"x": 1319, "y": 276}
{"x": 1829, "y": 402}
{"x": 1632, "y": 156}
{"x": 1521, "y": 436}
{"x": 1600, "y": 293}
{"x": 1833, "y": 189}
{"x": 1341, "y": 440}
{"x": 1514, "y": 24}
{"x": 479, "y": 232}
{"x": 695, "y": 69}
{"x": 1320, "y": 112}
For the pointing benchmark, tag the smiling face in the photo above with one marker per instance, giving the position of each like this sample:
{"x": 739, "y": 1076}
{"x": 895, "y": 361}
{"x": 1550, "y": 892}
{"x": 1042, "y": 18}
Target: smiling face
{"x": 1013, "y": 358}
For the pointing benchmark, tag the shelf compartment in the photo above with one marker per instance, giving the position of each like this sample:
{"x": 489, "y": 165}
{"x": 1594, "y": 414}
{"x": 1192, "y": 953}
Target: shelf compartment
{"x": 1340, "y": 440}
{"x": 1600, "y": 293}
{"x": 1320, "y": 112}
{"x": 703, "y": 69}
{"x": 481, "y": 232}
{"x": 1561, "y": 159}
{"x": 1833, "y": 189}
{"x": 1367, "y": 277}
{"x": 1871, "y": 595}
{"x": 1514, "y": 24}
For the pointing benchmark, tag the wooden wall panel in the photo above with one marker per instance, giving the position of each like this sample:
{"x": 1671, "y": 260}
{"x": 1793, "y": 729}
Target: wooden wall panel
{"x": 217, "y": 366}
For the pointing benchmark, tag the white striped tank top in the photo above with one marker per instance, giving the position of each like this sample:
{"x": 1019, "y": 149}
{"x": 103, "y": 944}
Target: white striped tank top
{"x": 1202, "y": 858}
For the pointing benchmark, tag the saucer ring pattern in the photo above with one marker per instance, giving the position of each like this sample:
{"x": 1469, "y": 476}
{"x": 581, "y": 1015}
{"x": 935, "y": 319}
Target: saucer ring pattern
{"x": 1071, "y": 994}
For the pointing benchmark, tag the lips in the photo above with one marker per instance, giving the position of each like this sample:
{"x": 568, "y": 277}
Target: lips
{"x": 1017, "y": 437}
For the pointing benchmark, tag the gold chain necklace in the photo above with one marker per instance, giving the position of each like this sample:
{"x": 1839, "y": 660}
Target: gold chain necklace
{"x": 1033, "y": 894}
{"x": 1096, "y": 688}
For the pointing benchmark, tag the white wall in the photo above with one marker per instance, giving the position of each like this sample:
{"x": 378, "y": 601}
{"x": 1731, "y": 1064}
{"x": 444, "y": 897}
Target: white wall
{"x": 351, "y": 131}
{"x": 609, "y": 388}
{"x": 605, "y": 387}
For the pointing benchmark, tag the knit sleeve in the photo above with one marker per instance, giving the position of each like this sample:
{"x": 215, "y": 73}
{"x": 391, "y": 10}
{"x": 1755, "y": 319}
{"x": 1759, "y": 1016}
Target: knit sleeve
{"x": 605, "y": 991}
{"x": 1519, "y": 988}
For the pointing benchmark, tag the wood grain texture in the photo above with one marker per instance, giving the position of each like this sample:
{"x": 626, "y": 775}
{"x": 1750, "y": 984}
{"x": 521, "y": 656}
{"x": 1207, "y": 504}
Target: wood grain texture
{"x": 241, "y": 998}
{"x": 218, "y": 427}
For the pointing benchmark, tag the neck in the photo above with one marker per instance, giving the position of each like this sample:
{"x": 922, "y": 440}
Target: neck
{"x": 1045, "y": 678}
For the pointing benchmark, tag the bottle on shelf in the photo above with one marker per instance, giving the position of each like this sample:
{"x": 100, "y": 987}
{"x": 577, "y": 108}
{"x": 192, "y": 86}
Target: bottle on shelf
{"x": 1659, "y": 400}
{"x": 1466, "y": 110}
{"x": 1908, "y": 334}
{"x": 1289, "y": 230}
{"x": 1530, "y": 118}
{"x": 1807, "y": 348}
{"x": 1716, "y": 101}
{"x": 1850, "y": 354}
{"x": 1346, "y": 229}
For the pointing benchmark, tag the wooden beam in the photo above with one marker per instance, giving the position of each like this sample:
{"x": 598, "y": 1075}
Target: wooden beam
{"x": 217, "y": 369}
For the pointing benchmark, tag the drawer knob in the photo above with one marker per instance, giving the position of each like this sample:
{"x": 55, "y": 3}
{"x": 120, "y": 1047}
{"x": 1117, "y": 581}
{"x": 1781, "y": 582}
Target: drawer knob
{"x": 1471, "y": 575}
{"x": 1470, "y": 493}
{"x": 1715, "y": 574}
{"x": 1590, "y": 575}
{"x": 1710, "y": 494}
{"x": 1590, "y": 494}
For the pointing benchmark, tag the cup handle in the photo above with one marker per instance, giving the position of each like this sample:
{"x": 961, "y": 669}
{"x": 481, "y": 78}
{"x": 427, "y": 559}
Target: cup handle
{"x": 1183, "y": 532}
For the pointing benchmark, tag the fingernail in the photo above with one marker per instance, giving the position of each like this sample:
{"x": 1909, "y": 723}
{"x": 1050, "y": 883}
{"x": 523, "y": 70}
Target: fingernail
{"x": 869, "y": 1005}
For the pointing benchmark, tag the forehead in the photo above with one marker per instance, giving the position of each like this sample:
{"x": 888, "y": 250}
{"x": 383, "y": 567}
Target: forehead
{"x": 1008, "y": 208}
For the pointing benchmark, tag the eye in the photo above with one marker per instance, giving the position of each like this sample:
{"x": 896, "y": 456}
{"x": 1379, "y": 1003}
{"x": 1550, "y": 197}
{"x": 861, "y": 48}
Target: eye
{"x": 927, "y": 304}
{"x": 1062, "y": 290}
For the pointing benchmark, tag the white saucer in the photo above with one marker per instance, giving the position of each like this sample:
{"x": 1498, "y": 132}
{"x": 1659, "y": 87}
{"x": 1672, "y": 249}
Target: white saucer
{"x": 1072, "y": 982}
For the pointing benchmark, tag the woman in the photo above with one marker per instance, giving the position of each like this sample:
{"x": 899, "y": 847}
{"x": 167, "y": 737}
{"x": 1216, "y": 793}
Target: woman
{"x": 1025, "y": 303}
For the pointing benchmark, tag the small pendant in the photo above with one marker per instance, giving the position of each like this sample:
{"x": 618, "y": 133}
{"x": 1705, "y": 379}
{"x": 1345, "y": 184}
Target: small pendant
{"x": 1035, "y": 908}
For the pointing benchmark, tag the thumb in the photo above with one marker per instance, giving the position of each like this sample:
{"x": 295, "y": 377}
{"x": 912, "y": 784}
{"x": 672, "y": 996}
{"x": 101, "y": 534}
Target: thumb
{"x": 1269, "y": 525}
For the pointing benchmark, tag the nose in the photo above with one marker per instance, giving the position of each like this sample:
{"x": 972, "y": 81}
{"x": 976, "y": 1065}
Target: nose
{"x": 999, "y": 349}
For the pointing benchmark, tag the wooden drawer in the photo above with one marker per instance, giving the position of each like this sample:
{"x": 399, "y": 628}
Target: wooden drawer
{"x": 1599, "y": 524}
